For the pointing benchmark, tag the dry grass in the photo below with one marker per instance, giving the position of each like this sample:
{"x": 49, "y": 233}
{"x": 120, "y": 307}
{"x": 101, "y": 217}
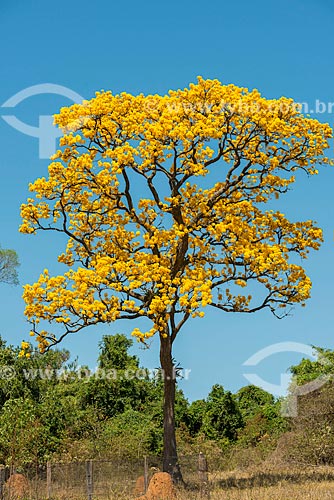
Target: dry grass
{"x": 289, "y": 484}
{"x": 283, "y": 491}
{"x": 257, "y": 484}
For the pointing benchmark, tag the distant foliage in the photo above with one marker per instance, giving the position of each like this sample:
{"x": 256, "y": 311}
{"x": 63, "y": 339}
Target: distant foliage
{"x": 311, "y": 440}
{"x": 49, "y": 409}
{"x": 308, "y": 370}
{"x": 9, "y": 263}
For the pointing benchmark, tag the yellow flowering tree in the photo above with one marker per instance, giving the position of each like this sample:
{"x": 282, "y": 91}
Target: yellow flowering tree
{"x": 163, "y": 201}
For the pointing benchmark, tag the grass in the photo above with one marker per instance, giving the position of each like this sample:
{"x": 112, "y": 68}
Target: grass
{"x": 273, "y": 484}
{"x": 284, "y": 484}
{"x": 257, "y": 484}
{"x": 283, "y": 491}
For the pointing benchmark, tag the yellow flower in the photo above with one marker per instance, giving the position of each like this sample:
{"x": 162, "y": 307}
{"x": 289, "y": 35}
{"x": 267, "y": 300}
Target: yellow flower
{"x": 152, "y": 235}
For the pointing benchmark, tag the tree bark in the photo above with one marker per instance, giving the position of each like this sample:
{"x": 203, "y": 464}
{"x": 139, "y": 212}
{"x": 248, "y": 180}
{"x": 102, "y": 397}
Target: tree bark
{"x": 170, "y": 458}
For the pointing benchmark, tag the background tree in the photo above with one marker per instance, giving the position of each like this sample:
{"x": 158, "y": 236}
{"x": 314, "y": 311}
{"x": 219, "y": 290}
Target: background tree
{"x": 121, "y": 384}
{"x": 251, "y": 399}
{"x": 28, "y": 378}
{"x": 9, "y": 263}
{"x": 17, "y": 446}
{"x": 222, "y": 417}
{"x": 114, "y": 353}
{"x": 308, "y": 370}
{"x": 311, "y": 440}
{"x": 195, "y": 416}
{"x": 261, "y": 415}
{"x": 162, "y": 199}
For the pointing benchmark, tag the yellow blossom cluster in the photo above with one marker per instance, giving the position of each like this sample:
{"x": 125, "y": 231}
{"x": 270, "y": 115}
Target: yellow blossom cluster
{"x": 25, "y": 350}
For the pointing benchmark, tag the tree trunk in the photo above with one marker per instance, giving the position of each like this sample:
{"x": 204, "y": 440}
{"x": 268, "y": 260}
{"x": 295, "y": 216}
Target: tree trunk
{"x": 170, "y": 459}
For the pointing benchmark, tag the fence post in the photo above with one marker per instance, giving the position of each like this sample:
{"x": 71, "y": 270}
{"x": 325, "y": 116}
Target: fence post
{"x": 89, "y": 478}
{"x": 2, "y": 479}
{"x": 48, "y": 479}
{"x": 145, "y": 474}
{"x": 203, "y": 474}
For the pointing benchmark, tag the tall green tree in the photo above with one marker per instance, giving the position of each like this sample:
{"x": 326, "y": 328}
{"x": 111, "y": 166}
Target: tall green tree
{"x": 251, "y": 399}
{"x": 195, "y": 416}
{"x": 119, "y": 383}
{"x": 222, "y": 417}
{"x": 261, "y": 414}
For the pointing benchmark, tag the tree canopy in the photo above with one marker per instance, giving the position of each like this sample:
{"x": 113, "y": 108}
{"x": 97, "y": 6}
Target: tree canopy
{"x": 145, "y": 238}
{"x": 307, "y": 370}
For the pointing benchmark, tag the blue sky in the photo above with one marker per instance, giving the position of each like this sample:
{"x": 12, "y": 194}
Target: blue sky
{"x": 283, "y": 48}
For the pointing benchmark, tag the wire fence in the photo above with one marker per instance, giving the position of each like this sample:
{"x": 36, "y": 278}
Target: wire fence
{"x": 121, "y": 479}
{"x": 96, "y": 479}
